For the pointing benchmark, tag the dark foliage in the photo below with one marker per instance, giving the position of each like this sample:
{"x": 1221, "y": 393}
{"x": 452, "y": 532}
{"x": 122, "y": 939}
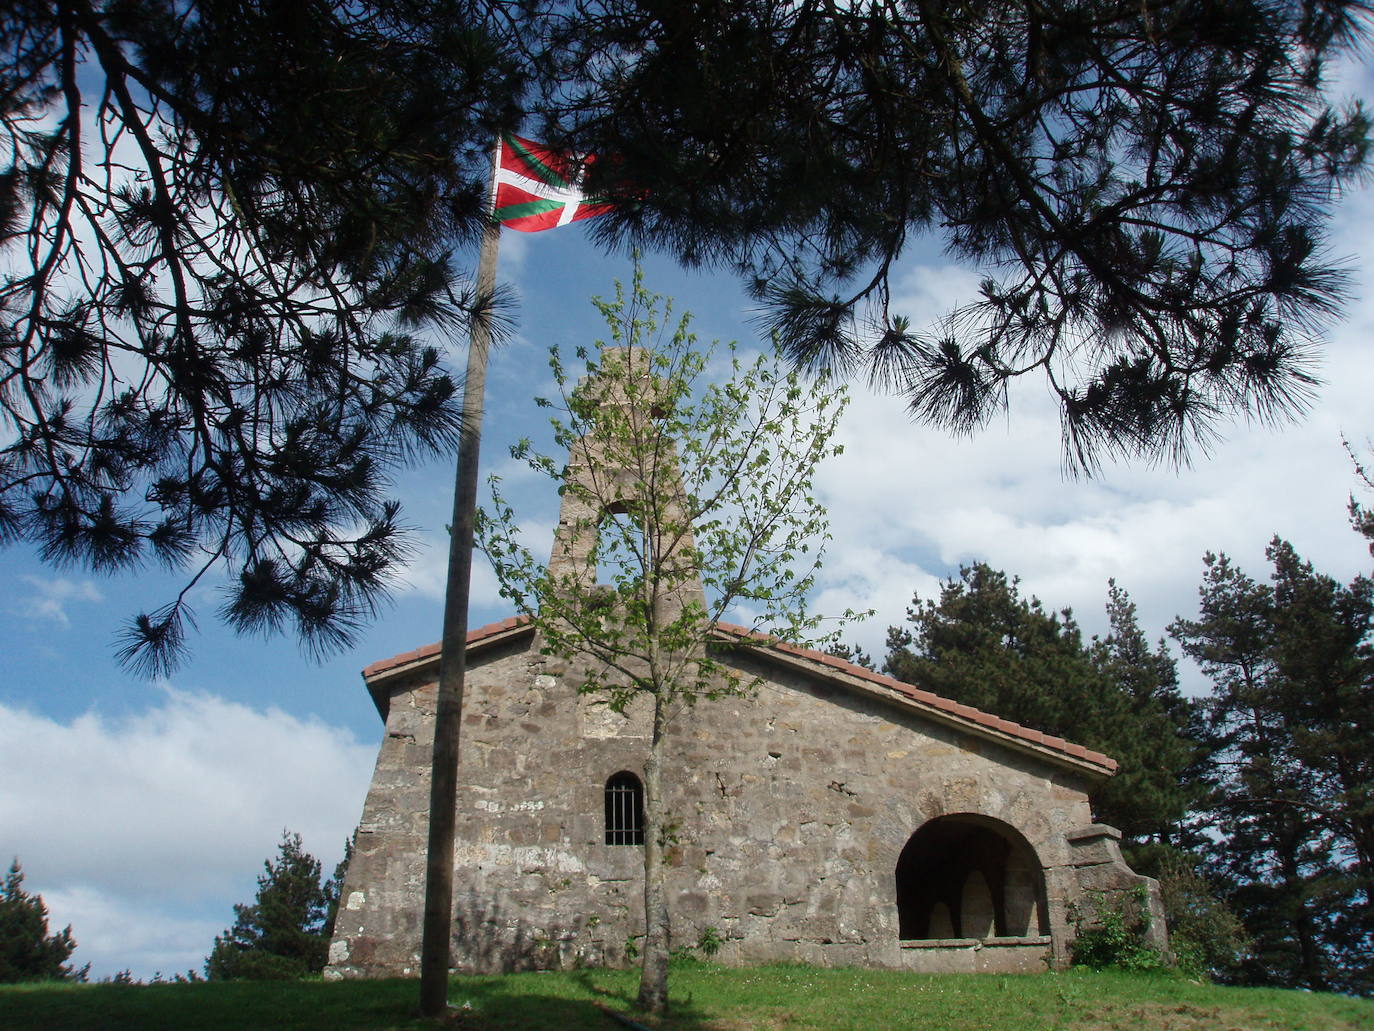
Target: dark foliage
{"x": 1291, "y": 721}
{"x": 1152, "y": 179}
{"x": 217, "y": 219}
{"x": 27, "y": 951}
{"x": 983, "y": 644}
{"x": 285, "y": 933}
{"x": 1206, "y": 937}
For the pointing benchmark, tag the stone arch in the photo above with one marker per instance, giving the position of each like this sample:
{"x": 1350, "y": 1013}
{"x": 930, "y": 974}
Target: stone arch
{"x": 624, "y": 809}
{"x": 966, "y": 875}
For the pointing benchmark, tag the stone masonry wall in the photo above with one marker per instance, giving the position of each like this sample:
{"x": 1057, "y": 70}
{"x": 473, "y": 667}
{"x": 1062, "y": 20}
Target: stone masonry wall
{"x": 792, "y": 807}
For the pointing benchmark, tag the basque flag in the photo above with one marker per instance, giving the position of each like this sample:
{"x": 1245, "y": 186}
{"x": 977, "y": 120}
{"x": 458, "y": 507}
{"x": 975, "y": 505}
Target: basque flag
{"x": 537, "y": 188}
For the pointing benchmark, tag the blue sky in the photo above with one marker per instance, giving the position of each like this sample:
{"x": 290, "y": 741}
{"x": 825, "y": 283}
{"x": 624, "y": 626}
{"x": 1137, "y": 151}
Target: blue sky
{"x": 143, "y": 811}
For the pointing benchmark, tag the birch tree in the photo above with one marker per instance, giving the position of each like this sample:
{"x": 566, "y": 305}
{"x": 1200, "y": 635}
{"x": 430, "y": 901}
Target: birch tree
{"x": 694, "y": 499}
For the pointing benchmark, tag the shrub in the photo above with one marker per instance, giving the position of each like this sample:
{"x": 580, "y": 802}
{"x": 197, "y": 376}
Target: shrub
{"x": 1205, "y": 936}
{"x": 1110, "y": 931}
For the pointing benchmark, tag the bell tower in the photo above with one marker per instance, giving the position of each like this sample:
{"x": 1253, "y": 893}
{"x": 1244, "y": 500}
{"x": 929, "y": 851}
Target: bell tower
{"x": 625, "y": 467}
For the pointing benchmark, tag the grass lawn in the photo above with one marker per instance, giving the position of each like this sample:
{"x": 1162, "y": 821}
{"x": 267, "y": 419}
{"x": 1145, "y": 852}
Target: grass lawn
{"x": 706, "y": 998}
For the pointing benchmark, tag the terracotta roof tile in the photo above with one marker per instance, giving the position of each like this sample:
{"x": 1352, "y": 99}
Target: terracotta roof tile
{"x": 934, "y": 701}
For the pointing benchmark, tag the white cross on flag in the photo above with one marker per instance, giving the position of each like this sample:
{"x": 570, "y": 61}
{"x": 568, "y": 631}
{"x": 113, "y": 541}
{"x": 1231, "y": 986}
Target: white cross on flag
{"x": 537, "y": 188}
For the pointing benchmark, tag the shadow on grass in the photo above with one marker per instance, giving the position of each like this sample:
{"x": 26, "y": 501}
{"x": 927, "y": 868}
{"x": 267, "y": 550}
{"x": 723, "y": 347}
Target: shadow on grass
{"x": 515, "y": 1003}
{"x": 518, "y": 1005}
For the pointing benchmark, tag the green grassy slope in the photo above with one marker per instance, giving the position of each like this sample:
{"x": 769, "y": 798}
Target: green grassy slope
{"x": 706, "y": 998}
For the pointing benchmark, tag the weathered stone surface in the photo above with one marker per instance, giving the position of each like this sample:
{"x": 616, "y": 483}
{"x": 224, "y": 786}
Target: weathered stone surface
{"x": 797, "y": 811}
{"x": 787, "y": 844}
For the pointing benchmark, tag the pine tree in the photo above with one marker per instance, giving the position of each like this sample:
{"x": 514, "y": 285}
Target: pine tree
{"x": 27, "y": 951}
{"x": 219, "y": 217}
{"x": 282, "y": 934}
{"x": 1292, "y": 723}
{"x": 221, "y": 222}
{"x": 1150, "y": 182}
{"x": 984, "y": 644}
{"x": 1156, "y": 734}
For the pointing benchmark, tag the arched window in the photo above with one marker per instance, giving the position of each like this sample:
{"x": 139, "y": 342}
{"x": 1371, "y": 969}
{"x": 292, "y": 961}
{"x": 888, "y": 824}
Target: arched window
{"x": 624, "y": 809}
{"x": 621, "y": 544}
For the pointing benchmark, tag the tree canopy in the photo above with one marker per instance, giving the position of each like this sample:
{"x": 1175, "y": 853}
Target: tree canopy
{"x": 1152, "y": 180}
{"x": 221, "y": 220}
{"x": 27, "y": 951}
{"x": 1291, "y": 726}
{"x": 218, "y": 220}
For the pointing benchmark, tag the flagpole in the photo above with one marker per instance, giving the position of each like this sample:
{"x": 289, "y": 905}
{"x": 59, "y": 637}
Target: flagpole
{"x": 443, "y": 788}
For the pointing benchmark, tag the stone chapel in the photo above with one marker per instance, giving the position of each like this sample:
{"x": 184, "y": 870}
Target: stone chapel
{"x": 834, "y": 816}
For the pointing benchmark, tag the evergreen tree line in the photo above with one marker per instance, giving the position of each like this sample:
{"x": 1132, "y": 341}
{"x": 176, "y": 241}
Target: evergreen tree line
{"x": 283, "y": 934}
{"x": 1253, "y": 803}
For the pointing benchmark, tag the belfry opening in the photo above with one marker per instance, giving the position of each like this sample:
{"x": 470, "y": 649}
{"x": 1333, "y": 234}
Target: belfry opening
{"x": 969, "y": 876}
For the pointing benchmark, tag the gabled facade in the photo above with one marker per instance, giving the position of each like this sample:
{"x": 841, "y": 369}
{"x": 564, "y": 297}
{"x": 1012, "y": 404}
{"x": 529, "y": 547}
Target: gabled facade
{"x": 831, "y": 816}
{"x": 835, "y": 817}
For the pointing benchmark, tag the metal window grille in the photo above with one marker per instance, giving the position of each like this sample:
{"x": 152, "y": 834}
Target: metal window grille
{"x": 624, "y": 810}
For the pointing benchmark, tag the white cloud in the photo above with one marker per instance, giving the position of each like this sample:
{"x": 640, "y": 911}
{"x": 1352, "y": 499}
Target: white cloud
{"x": 927, "y": 293}
{"x": 143, "y": 831}
{"x": 426, "y": 574}
{"x": 909, "y": 504}
{"x": 52, "y": 595}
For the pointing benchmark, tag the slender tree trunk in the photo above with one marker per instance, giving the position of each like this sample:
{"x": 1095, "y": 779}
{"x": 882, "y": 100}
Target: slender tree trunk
{"x": 1309, "y": 953}
{"x": 653, "y": 979}
{"x": 443, "y": 788}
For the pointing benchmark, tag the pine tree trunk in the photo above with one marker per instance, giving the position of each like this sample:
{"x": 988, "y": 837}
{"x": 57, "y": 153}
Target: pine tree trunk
{"x": 653, "y": 979}
{"x": 1310, "y": 965}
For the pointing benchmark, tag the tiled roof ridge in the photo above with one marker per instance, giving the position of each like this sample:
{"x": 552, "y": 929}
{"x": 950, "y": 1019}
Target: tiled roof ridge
{"x": 927, "y": 698}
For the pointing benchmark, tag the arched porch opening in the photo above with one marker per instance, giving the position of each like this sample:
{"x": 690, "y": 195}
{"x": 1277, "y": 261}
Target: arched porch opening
{"x": 969, "y": 876}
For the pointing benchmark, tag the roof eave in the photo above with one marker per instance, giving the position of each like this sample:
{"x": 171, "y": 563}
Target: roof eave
{"x": 380, "y": 676}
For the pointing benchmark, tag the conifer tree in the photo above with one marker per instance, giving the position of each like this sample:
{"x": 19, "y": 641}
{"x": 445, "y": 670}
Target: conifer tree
{"x": 220, "y": 220}
{"x": 281, "y": 935}
{"x": 1148, "y": 185}
{"x": 1292, "y": 722}
{"x": 221, "y": 224}
{"x": 27, "y": 951}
